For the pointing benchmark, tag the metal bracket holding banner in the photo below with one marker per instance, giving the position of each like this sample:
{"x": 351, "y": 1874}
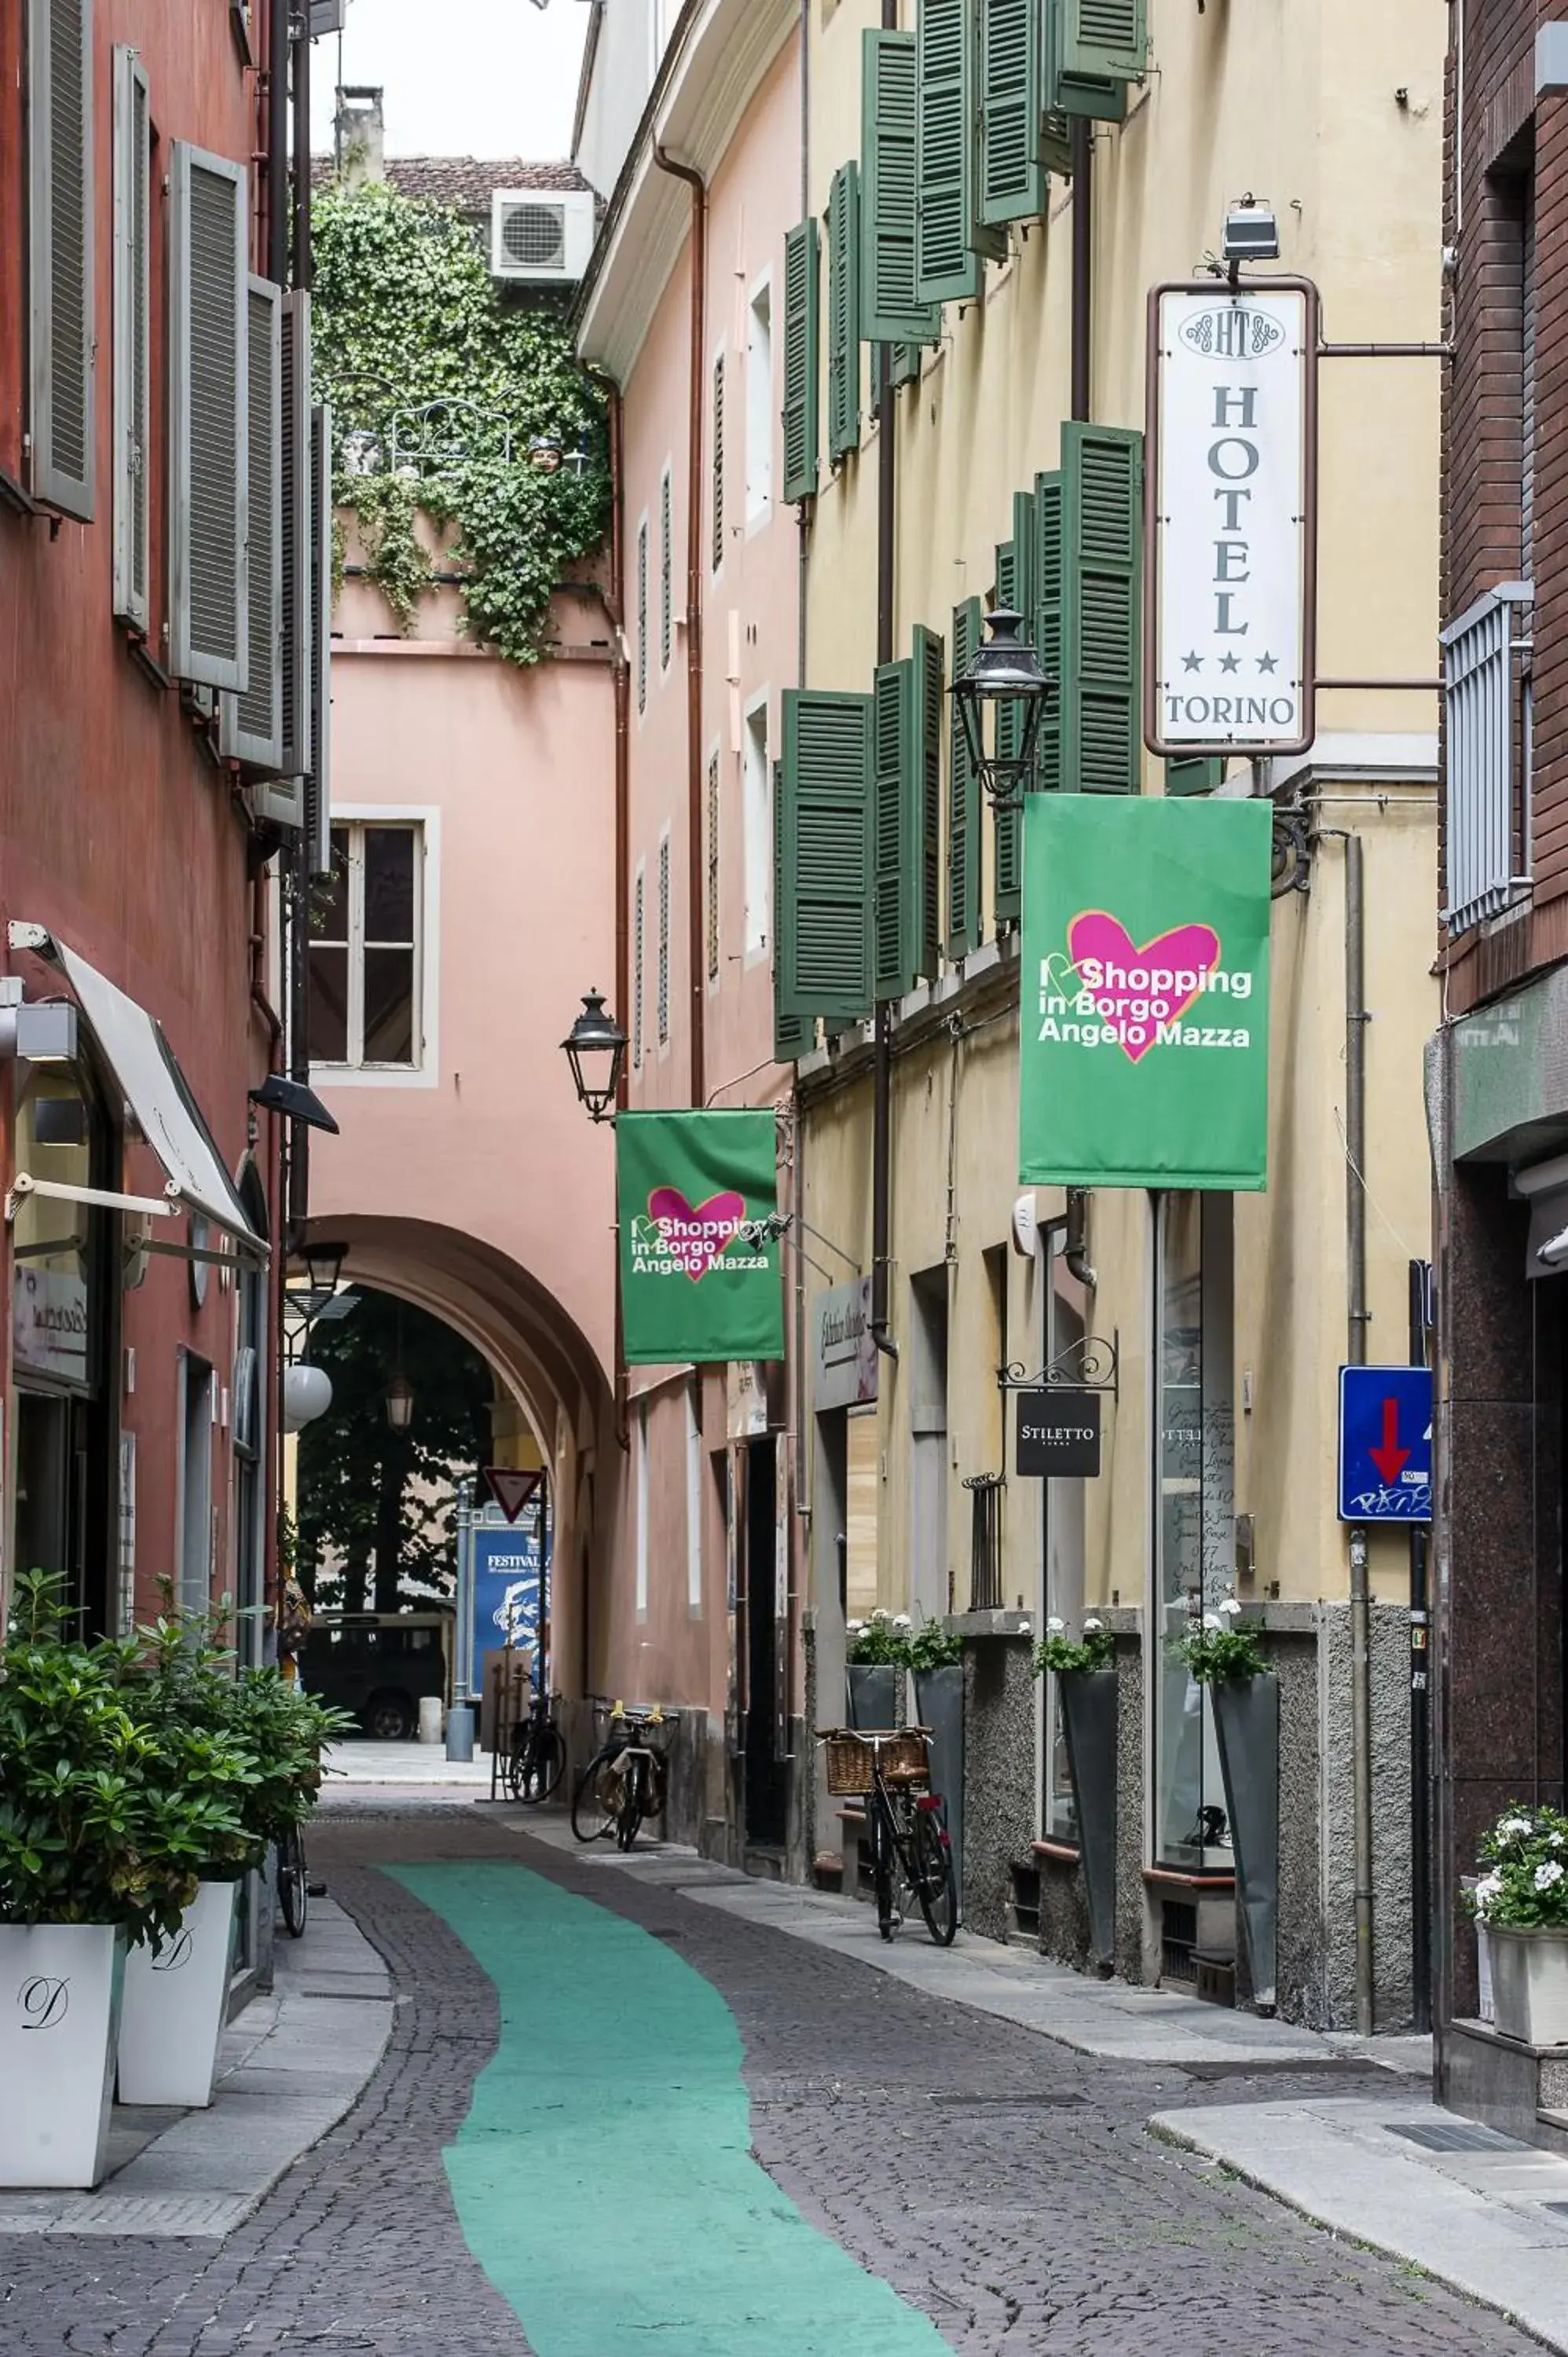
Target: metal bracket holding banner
{"x": 1230, "y": 517}
{"x": 1090, "y": 1364}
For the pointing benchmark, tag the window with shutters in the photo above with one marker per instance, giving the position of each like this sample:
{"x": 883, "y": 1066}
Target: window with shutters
{"x": 717, "y": 489}
{"x": 1487, "y": 725}
{"x": 1012, "y": 170}
{"x": 642, "y": 616}
{"x": 950, "y": 241}
{"x": 759, "y": 403}
{"x": 843, "y": 311}
{"x": 61, "y": 210}
{"x": 1092, "y": 49}
{"x": 1200, "y": 775}
{"x": 757, "y": 798}
{"x": 208, "y": 451}
{"x": 1102, "y": 650}
{"x": 890, "y": 310}
{"x": 639, "y": 949}
{"x": 1047, "y": 619}
{"x": 823, "y": 912}
{"x": 663, "y": 1003}
{"x": 251, "y": 722}
{"x": 132, "y": 382}
{"x": 713, "y": 868}
{"x": 1014, "y": 573}
{"x": 666, "y": 592}
{"x": 907, "y": 825}
{"x": 295, "y": 532}
{"x": 964, "y": 798}
{"x": 366, "y": 956}
{"x": 792, "y": 1034}
{"x": 318, "y": 776}
{"x": 802, "y": 359}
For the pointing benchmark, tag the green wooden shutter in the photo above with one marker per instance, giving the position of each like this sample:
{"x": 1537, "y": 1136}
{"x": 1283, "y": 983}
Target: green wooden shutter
{"x": 1049, "y": 624}
{"x": 1109, "y": 37}
{"x": 1101, "y": 670}
{"x": 1012, "y": 174}
{"x": 1198, "y": 776}
{"x": 822, "y": 919}
{"x": 905, "y": 364}
{"x": 843, "y": 311}
{"x": 893, "y": 733}
{"x": 802, "y": 359}
{"x": 964, "y": 799}
{"x": 924, "y": 801}
{"x": 947, "y": 264}
{"x": 1102, "y": 97}
{"x": 792, "y": 1034}
{"x": 1007, "y": 840}
{"x": 889, "y": 310}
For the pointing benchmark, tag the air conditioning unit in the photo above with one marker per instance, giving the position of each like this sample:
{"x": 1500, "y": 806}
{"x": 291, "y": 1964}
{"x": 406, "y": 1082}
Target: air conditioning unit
{"x": 539, "y": 238}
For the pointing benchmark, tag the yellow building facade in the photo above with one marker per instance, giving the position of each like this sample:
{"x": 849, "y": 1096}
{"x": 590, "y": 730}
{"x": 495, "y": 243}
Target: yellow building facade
{"x": 1216, "y": 1326}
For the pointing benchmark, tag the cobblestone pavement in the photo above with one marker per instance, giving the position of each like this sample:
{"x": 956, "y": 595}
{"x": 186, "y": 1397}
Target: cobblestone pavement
{"x": 997, "y": 2180}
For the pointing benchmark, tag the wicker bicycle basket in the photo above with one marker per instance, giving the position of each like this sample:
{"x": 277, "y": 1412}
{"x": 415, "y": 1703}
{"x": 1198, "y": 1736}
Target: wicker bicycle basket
{"x": 850, "y": 1756}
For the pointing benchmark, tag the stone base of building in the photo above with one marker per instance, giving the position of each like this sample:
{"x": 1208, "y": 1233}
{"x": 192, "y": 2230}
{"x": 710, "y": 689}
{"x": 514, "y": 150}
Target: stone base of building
{"x": 1521, "y": 2090}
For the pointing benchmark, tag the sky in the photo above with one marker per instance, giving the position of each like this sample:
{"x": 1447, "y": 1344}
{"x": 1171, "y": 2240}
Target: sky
{"x": 462, "y": 78}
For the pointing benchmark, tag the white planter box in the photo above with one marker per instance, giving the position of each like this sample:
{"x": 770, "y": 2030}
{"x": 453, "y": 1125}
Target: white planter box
{"x": 175, "y": 2002}
{"x": 59, "y": 2002}
{"x": 1530, "y": 1984}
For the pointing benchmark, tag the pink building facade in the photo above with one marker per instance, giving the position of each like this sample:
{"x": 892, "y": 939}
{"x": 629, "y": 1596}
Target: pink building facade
{"x": 683, "y": 312}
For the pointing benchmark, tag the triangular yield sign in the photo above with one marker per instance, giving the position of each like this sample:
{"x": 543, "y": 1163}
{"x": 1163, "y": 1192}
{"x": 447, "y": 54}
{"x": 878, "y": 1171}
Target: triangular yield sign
{"x": 511, "y": 1491}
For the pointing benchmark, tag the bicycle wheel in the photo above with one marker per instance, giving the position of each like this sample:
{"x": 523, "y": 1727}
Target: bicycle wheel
{"x": 591, "y": 1821}
{"x": 517, "y": 1761}
{"x": 292, "y": 1889}
{"x": 544, "y": 1766}
{"x": 935, "y": 1885}
{"x": 880, "y": 1839}
{"x": 634, "y": 1795}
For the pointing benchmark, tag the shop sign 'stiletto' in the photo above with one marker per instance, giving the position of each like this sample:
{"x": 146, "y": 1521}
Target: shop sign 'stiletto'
{"x": 1230, "y": 581}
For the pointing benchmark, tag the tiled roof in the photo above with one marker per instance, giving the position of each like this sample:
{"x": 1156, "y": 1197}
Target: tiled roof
{"x": 466, "y": 182}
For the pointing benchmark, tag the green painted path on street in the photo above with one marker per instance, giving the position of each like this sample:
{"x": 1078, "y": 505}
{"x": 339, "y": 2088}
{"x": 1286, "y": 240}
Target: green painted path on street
{"x": 603, "y": 2178}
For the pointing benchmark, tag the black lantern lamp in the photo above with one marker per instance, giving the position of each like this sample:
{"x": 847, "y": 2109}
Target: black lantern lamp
{"x": 324, "y": 1264}
{"x": 1004, "y": 675}
{"x": 399, "y": 1401}
{"x": 595, "y": 1049}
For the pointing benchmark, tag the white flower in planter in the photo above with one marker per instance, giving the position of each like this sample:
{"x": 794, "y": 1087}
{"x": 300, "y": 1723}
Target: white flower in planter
{"x": 1514, "y": 1829}
{"x": 902, "y": 1621}
{"x": 880, "y": 1612}
{"x": 1230, "y": 1607}
{"x": 1092, "y": 1627}
{"x": 1025, "y": 1629}
{"x": 1212, "y": 1621}
{"x": 854, "y": 1628}
{"x": 1485, "y": 1895}
{"x": 1545, "y": 1876}
{"x": 1056, "y": 1628}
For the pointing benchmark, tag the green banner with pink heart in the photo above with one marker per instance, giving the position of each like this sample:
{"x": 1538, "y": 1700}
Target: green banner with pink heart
{"x": 1145, "y": 993}
{"x": 701, "y": 1273}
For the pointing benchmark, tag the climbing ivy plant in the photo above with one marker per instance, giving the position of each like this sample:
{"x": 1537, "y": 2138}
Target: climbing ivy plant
{"x": 406, "y": 315}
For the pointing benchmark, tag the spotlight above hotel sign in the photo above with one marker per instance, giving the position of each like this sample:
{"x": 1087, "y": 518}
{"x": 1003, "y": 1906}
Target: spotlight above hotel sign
{"x": 1230, "y": 580}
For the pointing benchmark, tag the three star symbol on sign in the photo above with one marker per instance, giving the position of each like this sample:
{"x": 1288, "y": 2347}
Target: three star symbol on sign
{"x": 1231, "y": 664}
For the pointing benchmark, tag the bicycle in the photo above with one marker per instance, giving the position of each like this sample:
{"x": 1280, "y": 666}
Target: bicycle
{"x": 293, "y": 1883}
{"x": 536, "y": 1755}
{"x": 911, "y": 1855}
{"x": 625, "y": 1781}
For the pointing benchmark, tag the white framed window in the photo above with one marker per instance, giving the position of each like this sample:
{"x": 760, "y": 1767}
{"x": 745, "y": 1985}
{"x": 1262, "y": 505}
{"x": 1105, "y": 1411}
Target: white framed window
{"x": 131, "y": 468}
{"x": 759, "y": 402}
{"x": 758, "y": 801}
{"x": 663, "y": 1002}
{"x": 368, "y": 950}
{"x": 666, "y": 584}
{"x": 638, "y": 947}
{"x": 62, "y": 276}
{"x": 642, "y": 615}
{"x": 209, "y": 396}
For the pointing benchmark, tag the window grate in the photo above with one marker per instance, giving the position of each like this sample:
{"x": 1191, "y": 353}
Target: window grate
{"x": 718, "y": 487}
{"x": 665, "y": 612}
{"x": 642, "y": 617}
{"x": 638, "y": 931}
{"x": 986, "y": 1542}
{"x": 1179, "y": 1940}
{"x": 1487, "y": 707}
{"x": 665, "y": 941}
{"x": 713, "y": 868}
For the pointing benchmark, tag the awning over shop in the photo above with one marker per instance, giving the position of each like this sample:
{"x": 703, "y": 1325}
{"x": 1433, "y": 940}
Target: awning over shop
{"x": 143, "y": 1065}
{"x": 1544, "y": 1186}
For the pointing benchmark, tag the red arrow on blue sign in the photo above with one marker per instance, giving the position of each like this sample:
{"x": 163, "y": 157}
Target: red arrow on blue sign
{"x": 1390, "y": 1460}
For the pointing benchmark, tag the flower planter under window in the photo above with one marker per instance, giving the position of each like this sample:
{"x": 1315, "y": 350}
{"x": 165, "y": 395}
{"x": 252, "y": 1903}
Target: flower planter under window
{"x": 1088, "y": 1699}
{"x": 1530, "y": 1984}
{"x": 174, "y": 2008}
{"x": 1247, "y": 1724}
{"x": 938, "y": 1705}
{"x": 60, "y": 2005}
{"x": 873, "y": 1693}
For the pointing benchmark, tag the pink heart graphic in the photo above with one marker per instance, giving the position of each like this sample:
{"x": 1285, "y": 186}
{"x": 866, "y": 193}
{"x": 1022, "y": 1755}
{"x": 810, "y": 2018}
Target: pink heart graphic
{"x": 697, "y": 1237}
{"x": 1169, "y": 973}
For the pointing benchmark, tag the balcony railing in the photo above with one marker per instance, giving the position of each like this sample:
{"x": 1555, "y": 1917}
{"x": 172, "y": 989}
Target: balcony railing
{"x": 1485, "y": 669}
{"x": 986, "y": 1545}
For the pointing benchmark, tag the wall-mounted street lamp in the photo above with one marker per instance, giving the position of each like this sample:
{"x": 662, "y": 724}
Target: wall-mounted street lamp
{"x": 1004, "y": 677}
{"x": 595, "y": 1049}
{"x": 399, "y": 1401}
{"x": 324, "y": 1264}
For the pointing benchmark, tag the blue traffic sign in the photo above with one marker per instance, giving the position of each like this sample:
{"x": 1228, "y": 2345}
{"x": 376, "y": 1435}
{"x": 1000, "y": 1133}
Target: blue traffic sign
{"x": 1385, "y": 1444}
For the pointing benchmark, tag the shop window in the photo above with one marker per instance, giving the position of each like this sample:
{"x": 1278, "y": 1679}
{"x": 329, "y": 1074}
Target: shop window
{"x": 860, "y": 1519}
{"x": 1064, "y": 1503}
{"x": 1194, "y": 1484}
{"x": 194, "y": 1537}
{"x": 366, "y": 949}
{"x": 758, "y": 805}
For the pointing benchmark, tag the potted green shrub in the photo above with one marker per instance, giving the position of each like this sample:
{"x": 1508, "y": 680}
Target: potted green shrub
{"x": 1521, "y": 1901}
{"x": 98, "y": 1848}
{"x": 933, "y": 1655}
{"x": 1245, "y": 1696}
{"x": 874, "y": 1663}
{"x": 176, "y": 1990}
{"x": 1084, "y": 1670}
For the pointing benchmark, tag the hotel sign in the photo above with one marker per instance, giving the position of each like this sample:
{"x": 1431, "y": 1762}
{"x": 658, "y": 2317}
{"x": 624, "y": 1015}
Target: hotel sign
{"x": 1231, "y": 522}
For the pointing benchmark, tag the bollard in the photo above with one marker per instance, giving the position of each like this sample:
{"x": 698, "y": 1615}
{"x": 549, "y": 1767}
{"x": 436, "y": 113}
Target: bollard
{"x": 430, "y": 1718}
{"x": 460, "y": 1731}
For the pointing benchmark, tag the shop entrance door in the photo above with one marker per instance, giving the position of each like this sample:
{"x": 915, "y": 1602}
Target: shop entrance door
{"x": 767, "y": 1771}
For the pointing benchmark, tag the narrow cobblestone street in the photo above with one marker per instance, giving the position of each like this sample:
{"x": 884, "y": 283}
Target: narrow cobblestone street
{"x": 1003, "y": 2185}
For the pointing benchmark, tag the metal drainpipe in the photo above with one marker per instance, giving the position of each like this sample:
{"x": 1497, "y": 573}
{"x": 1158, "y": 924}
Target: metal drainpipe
{"x": 617, "y": 604}
{"x": 1355, "y": 1021}
{"x": 299, "y": 864}
{"x": 695, "y": 933}
{"x": 882, "y": 1070}
{"x": 1082, "y": 263}
{"x": 277, "y": 142}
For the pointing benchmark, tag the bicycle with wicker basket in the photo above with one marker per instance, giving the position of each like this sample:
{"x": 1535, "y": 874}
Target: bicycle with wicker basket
{"x": 911, "y": 1855}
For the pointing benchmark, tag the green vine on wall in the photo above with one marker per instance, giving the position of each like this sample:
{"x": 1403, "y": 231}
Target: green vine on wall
{"x": 406, "y": 314}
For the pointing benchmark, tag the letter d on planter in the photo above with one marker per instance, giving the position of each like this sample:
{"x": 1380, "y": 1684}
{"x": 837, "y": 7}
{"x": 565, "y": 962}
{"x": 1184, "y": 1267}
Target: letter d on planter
{"x": 174, "y": 2004}
{"x": 59, "y": 2004}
